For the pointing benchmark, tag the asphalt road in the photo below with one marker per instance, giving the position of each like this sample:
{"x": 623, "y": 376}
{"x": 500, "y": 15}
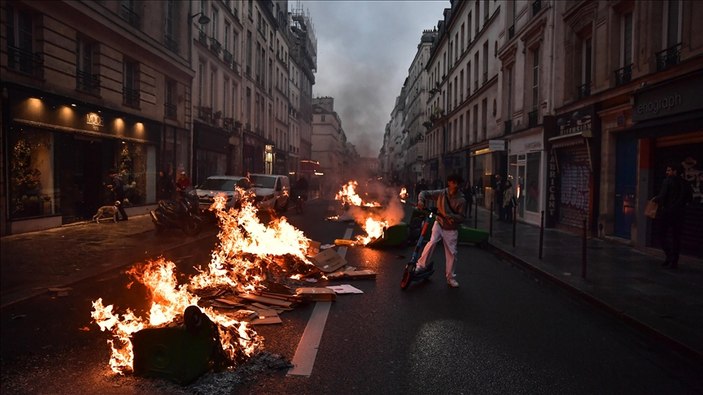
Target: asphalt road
{"x": 502, "y": 331}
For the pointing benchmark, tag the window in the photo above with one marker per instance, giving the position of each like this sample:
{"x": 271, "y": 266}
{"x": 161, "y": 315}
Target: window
{"x": 484, "y": 118}
{"x": 130, "y": 84}
{"x": 86, "y": 78}
{"x": 228, "y": 27}
{"x": 626, "y": 56}
{"x": 32, "y": 190}
{"x": 20, "y": 43}
{"x": 485, "y": 10}
{"x": 214, "y": 23}
{"x": 584, "y": 89}
{"x": 213, "y": 90}
{"x": 476, "y": 71}
{"x": 624, "y": 73}
{"x": 128, "y": 12}
{"x": 672, "y": 36}
{"x": 170, "y": 26}
{"x": 170, "y": 105}
{"x": 485, "y": 62}
{"x": 201, "y": 84}
{"x": 535, "y": 78}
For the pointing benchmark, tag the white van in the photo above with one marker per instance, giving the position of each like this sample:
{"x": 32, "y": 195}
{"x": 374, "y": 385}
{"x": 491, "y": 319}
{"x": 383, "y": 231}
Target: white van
{"x": 271, "y": 190}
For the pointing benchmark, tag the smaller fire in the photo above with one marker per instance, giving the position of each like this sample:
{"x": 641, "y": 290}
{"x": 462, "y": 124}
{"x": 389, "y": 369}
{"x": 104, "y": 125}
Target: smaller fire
{"x": 374, "y": 229}
{"x": 349, "y": 196}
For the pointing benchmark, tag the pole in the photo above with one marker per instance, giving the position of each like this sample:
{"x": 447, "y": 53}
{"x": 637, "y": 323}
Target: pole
{"x": 490, "y": 222}
{"x": 476, "y": 215}
{"x": 514, "y": 208}
{"x": 541, "y": 233}
{"x": 583, "y": 250}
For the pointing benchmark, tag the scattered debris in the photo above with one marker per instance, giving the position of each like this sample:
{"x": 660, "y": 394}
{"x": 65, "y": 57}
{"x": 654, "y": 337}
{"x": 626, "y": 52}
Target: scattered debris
{"x": 328, "y": 260}
{"x": 345, "y": 289}
{"x": 316, "y": 294}
{"x": 64, "y": 291}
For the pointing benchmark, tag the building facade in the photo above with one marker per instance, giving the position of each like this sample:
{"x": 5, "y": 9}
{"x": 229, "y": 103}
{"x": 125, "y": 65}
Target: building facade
{"x": 89, "y": 87}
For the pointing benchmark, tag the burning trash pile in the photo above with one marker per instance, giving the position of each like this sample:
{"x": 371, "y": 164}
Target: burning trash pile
{"x": 382, "y": 223}
{"x": 216, "y": 308}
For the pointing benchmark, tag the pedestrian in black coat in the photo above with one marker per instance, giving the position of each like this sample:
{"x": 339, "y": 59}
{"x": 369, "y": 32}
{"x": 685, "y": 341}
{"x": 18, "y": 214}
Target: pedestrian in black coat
{"x": 672, "y": 199}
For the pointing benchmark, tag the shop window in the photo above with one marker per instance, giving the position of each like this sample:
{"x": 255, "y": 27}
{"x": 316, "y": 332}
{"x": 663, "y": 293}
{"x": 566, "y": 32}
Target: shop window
{"x": 532, "y": 191}
{"x": 32, "y": 191}
{"x": 132, "y": 169}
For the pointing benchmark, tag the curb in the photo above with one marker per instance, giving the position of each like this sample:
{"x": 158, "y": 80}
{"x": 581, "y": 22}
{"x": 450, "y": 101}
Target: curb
{"x": 594, "y": 301}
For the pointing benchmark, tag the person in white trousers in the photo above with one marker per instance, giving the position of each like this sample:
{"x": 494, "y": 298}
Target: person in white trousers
{"x": 450, "y": 209}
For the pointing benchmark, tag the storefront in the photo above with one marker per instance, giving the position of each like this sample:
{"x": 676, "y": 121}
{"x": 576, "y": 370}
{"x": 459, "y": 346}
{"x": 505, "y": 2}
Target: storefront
{"x": 668, "y": 123}
{"x": 573, "y": 160}
{"x": 526, "y": 162}
{"x": 253, "y": 155}
{"x": 59, "y": 154}
{"x": 486, "y": 161}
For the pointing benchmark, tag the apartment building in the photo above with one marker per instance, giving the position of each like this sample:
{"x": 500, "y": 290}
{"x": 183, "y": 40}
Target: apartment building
{"x": 329, "y": 144}
{"x": 526, "y": 106}
{"x": 463, "y": 72}
{"x": 416, "y": 120}
{"x": 88, "y": 87}
{"x": 628, "y": 103}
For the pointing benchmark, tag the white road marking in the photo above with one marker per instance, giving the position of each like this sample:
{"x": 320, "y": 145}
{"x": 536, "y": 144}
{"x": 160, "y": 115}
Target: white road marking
{"x": 304, "y": 358}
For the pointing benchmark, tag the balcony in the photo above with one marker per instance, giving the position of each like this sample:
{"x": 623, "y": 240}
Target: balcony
{"x": 202, "y": 37}
{"x": 215, "y": 46}
{"x": 536, "y": 7}
{"x": 205, "y": 114}
{"x": 485, "y": 77}
{"x": 130, "y": 97}
{"x": 583, "y": 91}
{"x": 24, "y": 61}
{"x": 227, "y": 57}
{"x": 623, "y": 75}
{"x": 171, "y": 43}
{"x": 130, "y": 16}
{"x": 508, "y": 126}
{"x": 669, "y": 57}
{"x": 532, "y": 118}
{"x": 170, "y": 110}
{"x": 87, "y": 82}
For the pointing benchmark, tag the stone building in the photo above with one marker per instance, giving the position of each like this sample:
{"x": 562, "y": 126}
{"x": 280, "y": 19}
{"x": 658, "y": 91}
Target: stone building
{"x": 89, "y": 87}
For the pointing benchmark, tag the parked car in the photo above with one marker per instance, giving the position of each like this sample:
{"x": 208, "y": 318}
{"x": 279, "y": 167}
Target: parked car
{"x": 218, "y": 185}
{"x": 272, "y": 191}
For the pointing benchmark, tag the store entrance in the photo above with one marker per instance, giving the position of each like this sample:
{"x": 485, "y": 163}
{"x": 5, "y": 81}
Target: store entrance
{"x": 83, "y": 163}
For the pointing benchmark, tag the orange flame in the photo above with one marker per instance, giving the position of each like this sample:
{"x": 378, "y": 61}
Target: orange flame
{"x": 245, "y": 244}
{"x": 349, "y": 196}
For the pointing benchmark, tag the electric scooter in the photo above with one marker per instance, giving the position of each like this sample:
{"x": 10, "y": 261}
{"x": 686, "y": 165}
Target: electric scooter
{"x": 409, "y": 273}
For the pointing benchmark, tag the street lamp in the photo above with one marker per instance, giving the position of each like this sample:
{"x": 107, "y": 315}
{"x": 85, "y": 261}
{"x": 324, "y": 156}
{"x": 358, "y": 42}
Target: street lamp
{"x": 203, "y": 20}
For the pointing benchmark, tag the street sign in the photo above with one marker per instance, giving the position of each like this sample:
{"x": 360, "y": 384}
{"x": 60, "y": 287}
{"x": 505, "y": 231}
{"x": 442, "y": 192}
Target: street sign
{"x": 496, "y": 145}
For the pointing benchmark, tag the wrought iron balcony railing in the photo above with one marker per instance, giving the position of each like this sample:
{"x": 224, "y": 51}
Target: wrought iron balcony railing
{"x": 532, "y": 118}
{"x": 87, "y": 82}
{"x": 508, "y": 126}
{"x": 623, "y": 75}
{"x": 24, "y": 61}
{"x": 171, "y": 42}
{"x": 171, "y": 110}
{"x": 130, "y": 97}
{"x": 668, "y": 57}
{"x": 583, "y": 90}
{"x": 130, "y": 16}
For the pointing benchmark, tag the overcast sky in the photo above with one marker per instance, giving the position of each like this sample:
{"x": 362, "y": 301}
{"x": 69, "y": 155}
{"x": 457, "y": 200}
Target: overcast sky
{"x": 364, "y": 51}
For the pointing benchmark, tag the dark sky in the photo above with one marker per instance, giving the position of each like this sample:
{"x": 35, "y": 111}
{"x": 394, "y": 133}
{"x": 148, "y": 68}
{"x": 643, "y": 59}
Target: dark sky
{"x": 364, "y": 51}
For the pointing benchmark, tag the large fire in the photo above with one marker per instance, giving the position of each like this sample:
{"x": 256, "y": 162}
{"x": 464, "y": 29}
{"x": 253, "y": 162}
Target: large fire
{"x": 248, "y": 254}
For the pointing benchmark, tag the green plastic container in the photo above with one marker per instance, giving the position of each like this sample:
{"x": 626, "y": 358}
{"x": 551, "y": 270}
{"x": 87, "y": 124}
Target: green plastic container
{"x": 393, "y": 236}
{"x": 174, "y": 353}
{"x": 472, "y": 235}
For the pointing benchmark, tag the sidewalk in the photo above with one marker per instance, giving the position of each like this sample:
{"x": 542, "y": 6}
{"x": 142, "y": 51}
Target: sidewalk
{"x": 31, "y": 263}
{"x": 626, "y": 282}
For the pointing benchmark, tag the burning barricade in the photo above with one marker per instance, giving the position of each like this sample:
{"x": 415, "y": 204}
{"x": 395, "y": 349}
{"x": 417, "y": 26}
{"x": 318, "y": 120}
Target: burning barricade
{"x": 207, "y": 321}
{"x": 382, "y": 223}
